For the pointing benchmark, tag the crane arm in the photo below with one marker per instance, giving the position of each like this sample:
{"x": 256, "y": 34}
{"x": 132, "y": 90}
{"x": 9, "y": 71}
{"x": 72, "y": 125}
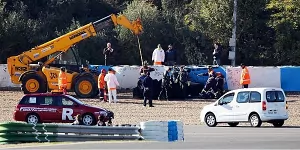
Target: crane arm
{"x": 20, "y": 63}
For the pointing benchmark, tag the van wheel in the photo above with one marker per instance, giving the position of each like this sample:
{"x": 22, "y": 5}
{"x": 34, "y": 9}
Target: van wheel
{"x": 233, "y": 124}
{"x": 211, "y": 120}
{"x": 255, "y": 120}
{"x": 278, "y": 123}
{"x": 85, "y": 87}
{"x": 32, "y": 83}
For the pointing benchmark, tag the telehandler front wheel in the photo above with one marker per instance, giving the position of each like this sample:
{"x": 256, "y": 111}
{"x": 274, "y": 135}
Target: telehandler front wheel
{"x": 33, "y": 83}
{"x": 85, "y": 87}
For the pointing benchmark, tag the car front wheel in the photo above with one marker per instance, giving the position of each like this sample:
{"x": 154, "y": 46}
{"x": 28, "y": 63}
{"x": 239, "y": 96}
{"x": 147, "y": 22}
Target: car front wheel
{"x": 88, "y": 119}
{"x": 211, "y": 120}
{"x": 32, "y": 119}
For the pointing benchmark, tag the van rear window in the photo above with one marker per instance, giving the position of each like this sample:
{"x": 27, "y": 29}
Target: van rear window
{"x": 275, "y": 96}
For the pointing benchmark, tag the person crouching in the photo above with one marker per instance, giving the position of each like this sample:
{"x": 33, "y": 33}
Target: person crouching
{"x": 78, "y": 120}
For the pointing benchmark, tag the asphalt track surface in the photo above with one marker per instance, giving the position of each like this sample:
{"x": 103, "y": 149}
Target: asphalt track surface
{"x": 202, "y": 137}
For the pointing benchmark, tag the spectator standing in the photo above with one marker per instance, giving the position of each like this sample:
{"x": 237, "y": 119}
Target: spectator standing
{"x": 217, "y": 54}
{"x": 112, "y": 84}
{"x": 165, "y": 84}
{"x": 62, "y": 80}
{"x": 171, "y": 56}
{"x": 102, "y": 84}
{"x": 183, "y": 78}
{"x": 158, "y": 55}
{"x": 245, "y": 76}
{"x": 148, "y": 90}
{"x": 108, "y": 52}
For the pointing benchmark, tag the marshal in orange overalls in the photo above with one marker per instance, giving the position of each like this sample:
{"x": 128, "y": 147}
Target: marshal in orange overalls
{"x": 62, "y": 81}
{"x": 102, "y": 85}
{"x": 245, "y": 77}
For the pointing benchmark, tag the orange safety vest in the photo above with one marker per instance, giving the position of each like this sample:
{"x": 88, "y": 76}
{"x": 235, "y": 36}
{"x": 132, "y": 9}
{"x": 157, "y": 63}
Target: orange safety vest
{"x": 62, "y": 80}
{"x": 245, "y": 77}
{"x": 101, "y": 82}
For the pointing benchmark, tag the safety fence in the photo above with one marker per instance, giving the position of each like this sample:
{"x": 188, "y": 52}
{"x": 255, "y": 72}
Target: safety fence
{"x": 21, "y": 132}
{"x": 281, "y": 76}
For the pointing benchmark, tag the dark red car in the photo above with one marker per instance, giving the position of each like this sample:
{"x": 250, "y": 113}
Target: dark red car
{"x": 57, "y": 108}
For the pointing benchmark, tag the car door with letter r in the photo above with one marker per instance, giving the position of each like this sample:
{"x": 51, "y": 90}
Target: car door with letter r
{"x": 68, "y": 109}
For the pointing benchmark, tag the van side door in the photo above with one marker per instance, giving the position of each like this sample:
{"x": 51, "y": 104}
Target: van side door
{"x": 224, "y": 108}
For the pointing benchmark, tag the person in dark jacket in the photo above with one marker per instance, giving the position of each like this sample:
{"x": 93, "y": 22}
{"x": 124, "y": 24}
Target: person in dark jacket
{"x": 210, "y": 72}
{"x": 220, "y": 81}
{"x": 171, "y": 56}
{"x": 217, "y": 54}
{"x": 148, "y": 90}
{"x": 211, "y": 81}
{"x": 108, "y": 53}
{"x": 165, "y": 84}
{"x": 145, "y": 69}
{"x": 183, "y": 78}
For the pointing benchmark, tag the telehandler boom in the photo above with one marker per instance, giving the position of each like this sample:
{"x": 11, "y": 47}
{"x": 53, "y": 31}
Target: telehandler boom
{"x": 42, "y": 78}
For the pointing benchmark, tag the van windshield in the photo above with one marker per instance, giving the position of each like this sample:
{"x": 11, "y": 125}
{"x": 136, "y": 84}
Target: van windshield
{"x": 275, "y": 96}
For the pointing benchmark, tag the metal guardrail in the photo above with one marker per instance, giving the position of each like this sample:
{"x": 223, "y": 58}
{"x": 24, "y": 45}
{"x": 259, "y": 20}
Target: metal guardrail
{"x": 21, "y": 132}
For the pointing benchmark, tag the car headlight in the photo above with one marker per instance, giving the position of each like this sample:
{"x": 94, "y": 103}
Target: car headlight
{"x": 103, "y": 113}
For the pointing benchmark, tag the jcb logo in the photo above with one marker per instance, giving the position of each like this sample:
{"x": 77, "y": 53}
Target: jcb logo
{"x": 53, "y": 75}
{"x": 21, "y": 68}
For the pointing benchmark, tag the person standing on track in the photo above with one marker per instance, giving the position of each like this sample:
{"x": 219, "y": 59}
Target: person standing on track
{"x": 165, "y": 84}
{"x": 148, "y": 90}
{"x": 182, "y": 79}
{"x": 101, "y": 84}
{"x": 112, "y": 84}
{"x": 62, "y": 80}
{"x": 245, "y": 77}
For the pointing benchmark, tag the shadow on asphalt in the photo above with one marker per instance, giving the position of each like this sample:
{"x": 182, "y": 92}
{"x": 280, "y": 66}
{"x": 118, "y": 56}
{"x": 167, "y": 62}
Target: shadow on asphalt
{"x": 260, "y": 127}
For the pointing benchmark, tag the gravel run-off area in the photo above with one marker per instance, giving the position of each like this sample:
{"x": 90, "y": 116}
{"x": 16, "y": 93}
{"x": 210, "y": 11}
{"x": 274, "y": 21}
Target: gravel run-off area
{"x": 131, "y": 111}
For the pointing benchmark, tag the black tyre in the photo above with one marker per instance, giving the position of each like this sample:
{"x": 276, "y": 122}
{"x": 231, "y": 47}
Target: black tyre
{"x": 278, "y": 123}
{"x": 85, "y": 87}
{"x": 88, "y": 119}
{"x": 233, "y": 124}
{"x": 32, "y": 119}
{"x": 211, "y": 120}
{"x": 254, "y": 120}
{"x": 33, "y": 83}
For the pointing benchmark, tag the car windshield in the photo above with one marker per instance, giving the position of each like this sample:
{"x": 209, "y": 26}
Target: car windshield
{"x": 75, "y": 100}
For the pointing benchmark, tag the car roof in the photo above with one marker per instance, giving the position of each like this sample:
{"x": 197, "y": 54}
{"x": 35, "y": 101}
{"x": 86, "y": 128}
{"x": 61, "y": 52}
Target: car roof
{"x": 44, "y": 94}
{"x": 261, "y": 89}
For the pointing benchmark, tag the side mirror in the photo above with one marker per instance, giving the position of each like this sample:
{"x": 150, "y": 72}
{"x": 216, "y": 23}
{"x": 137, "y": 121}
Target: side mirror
{"x": 220, "y": 103}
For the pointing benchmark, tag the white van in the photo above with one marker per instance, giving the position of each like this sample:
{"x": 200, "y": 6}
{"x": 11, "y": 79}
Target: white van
{"x": 254, "y": 105}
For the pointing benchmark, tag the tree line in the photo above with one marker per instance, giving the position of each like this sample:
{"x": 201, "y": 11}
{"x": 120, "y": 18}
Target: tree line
{"x": 268, "y": 31}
